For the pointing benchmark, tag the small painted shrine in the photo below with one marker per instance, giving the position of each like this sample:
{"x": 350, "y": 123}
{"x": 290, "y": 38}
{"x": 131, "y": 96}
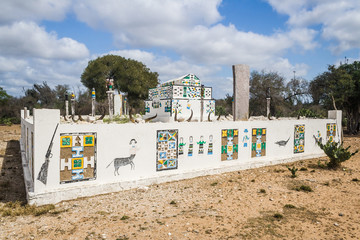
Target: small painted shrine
{"x": 180, "y": 99}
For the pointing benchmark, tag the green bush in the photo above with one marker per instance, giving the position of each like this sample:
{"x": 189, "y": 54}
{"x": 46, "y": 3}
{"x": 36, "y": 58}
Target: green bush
{"x": 293, "y": 171}
{"x": 336, "y": 153}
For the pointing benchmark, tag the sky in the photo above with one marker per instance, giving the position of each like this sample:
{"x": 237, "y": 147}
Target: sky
{"x": 53, "y": 41}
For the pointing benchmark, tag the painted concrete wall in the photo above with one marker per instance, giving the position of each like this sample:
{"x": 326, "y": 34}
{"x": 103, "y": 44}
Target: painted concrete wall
{"x": 158, "y": 152}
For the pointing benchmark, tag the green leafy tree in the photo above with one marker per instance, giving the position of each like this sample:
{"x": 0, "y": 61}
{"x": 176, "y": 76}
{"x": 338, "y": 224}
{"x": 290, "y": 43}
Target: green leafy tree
{"x": 130, "y": 76}
{"x": 4, "y": 97}
{"x": 339, "y": 88}
{"x": 260, "y": 82}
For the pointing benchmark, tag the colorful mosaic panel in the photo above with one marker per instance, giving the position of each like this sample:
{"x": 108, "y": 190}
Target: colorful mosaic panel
{"x": 299, "y": 138}
{"x": 167, "y": 149}
{"x": 168, "y": 106}
{"x": 229, "y": 144}
{"x": 191, "y": 92}
{"x": 330, "y": 132}
{"x": 77, "y": 157}
{"x": 207, "y": 93}
{"x": 210, "y": 106}
{"x": 147, "y": 106}
{"x": 176, "y": 105}
{"x": 258, "y": 142}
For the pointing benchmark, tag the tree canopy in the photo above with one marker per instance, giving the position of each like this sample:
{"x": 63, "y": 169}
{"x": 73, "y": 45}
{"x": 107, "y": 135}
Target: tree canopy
{"x": 339, "y": 87}
{"x": 130, "y": 76}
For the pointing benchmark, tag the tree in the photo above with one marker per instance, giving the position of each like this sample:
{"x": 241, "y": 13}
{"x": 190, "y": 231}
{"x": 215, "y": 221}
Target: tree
{"x": 130, "y": 76}
{"x": 259, "y": 84}
{"x": 4, "y": 97}
{"x": 339, "y": 88}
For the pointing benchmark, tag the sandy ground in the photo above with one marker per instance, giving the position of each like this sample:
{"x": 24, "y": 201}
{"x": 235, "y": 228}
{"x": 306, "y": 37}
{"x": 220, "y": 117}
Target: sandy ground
{"x": 253, "y": 204}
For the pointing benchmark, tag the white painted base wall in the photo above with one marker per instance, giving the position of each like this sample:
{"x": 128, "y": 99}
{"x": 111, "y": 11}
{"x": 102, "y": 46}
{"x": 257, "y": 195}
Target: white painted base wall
{"x": 113, "y": 141}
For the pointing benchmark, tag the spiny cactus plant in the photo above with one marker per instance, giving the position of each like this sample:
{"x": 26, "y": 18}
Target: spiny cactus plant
{"x": 336, "y": 153}
{"x": 293, "y": 171}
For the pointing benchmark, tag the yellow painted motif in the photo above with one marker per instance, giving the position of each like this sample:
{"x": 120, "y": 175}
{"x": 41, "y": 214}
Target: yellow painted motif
{"x": 77, "y": 163}
{"x": 65, "y": 141}
{"x": 89, "y": 140}
{"x": 254, "y": 131}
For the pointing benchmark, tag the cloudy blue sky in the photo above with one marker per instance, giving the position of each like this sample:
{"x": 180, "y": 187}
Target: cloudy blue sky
{"x": 52, "y": 40}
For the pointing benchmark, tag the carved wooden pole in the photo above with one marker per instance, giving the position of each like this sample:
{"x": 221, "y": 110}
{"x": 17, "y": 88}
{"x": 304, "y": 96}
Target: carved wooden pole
{"x": 73, "y": 104}
{"x": 93, "y": 102}
{"x": 268, "y": 102}
{"x": 66, "y": 104}
{"x": 110, "y": 93}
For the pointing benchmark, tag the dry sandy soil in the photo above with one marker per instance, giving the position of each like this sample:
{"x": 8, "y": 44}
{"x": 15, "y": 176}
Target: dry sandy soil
{"x": 253, "y": 204}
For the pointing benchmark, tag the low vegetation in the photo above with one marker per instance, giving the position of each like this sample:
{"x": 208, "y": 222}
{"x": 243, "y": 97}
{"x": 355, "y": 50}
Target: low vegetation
{"x": 336, "y": 153}
{"x": 293, "y": 171}
{"x": 18, "y": 208}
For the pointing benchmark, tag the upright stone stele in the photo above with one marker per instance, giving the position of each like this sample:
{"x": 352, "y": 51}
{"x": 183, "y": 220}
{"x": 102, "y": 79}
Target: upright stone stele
{"x": 241, "y": 74}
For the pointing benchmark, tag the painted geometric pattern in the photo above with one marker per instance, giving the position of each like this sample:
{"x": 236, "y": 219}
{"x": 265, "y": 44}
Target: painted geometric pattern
{"x": 176, "y": 105}
{"x": 147, "y": 106}
{"x": 168, "y": 106}
{"x": 258, "y": 142}
{"x": 167, "y": 149}
{"x": 210, "y": 106}
{"x": 77, "y": 157}
{"x": 330, "y": 131}
{"x": 207, "y": 93}
{"x": 299, "y": 138}
{"x": 191, "y": 92}
{"x": 161, "y": 92}
{"x": 229, "y": 144}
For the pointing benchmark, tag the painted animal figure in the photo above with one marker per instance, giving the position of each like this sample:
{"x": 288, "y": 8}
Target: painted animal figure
{"x": 282, "y": 143}
{"x": 119, "y": 162}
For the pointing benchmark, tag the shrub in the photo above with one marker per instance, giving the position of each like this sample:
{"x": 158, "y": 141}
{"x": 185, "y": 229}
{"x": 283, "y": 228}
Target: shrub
{"x": 336, "y": 153}
{"x": 293, "y": 171}
{"x": 289, "y": 206}
{"x": 278, "y": 216}
{"x": 124, "y": 217}
{"x": 262, "y": 190}
{"x": 304, "y": 188}
{"x": 213, "y": 184}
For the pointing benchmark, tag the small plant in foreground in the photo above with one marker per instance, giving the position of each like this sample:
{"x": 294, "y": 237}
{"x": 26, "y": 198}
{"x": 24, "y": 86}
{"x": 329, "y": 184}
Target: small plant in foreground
{"x": 304, "y": 188}
{"x": 289, "y": 206}
{"x": 124, "y": 217}
{"x": 336, "y": 153}
{"x": 173, "y": 202}
{"x": 278, "y": 216}
{"x": 293, "y": 171}
{"x": 262, "y": 191}
{"x": 213, "y": 184}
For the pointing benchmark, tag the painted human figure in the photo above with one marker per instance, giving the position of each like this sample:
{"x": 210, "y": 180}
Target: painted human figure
{"x": 201, "y": 145}
{"x": 181, "y": 146}
{"x": 210, "y": 148}
{"x": 246, "y": 138}
{"x": 110, "y": 84}
{"x": 191, "y": 146}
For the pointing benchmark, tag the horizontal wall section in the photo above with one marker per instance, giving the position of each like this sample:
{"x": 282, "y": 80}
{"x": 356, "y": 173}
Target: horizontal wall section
{"x": 89, "y": 159}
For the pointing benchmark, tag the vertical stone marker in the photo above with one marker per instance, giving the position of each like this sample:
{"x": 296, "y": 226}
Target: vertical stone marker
{"x": 241, "y": 73}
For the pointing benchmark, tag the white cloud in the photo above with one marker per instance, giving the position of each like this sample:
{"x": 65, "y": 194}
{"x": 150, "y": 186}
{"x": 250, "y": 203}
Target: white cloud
{"x": 27, "y": 39}
{"x": 34, "y": 10}
{"x": 54, "y": 72}
{"x": 339, "y": 20}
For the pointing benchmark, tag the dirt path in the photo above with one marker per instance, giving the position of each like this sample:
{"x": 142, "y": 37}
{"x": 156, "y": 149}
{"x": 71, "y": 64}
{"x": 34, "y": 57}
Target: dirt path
{"x": 252, "y": 204}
